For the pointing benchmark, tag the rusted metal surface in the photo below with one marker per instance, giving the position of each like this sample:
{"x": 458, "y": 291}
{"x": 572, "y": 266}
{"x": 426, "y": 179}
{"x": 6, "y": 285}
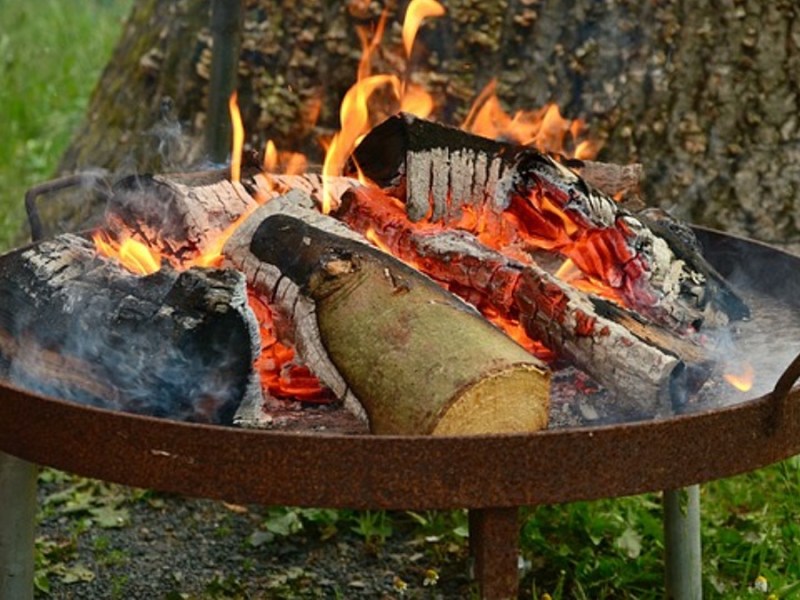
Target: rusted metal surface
{"x": 494, "y": 546}
{"x": 362, "y": 471}
{"x": 396, "y": 472}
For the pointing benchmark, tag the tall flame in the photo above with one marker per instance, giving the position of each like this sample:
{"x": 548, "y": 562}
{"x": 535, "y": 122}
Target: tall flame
{"x": 354, "y": 113}
{"x": 369, "y": 45}
{"x": 354, "y": 117}
{"x": 238, "y": 137}
{"x": 417, "y": 11}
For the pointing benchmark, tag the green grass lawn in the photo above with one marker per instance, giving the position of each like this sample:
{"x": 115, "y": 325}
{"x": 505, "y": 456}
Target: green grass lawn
{"x": 51, "y": 54}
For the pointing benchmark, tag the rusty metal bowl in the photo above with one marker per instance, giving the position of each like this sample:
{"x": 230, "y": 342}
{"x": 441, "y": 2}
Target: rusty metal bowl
{"x": 363, "y": 471}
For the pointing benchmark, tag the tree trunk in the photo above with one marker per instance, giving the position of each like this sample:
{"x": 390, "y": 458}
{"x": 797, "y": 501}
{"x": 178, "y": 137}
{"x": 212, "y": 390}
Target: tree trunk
{"x": 705, "y": 95}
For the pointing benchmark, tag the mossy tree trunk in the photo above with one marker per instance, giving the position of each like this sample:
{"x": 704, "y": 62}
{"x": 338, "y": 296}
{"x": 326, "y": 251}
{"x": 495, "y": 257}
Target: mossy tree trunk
{"x": 704, "y": 94}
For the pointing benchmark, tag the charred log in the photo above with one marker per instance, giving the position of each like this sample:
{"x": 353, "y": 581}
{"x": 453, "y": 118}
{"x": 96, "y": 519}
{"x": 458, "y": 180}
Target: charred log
{"x": 441, "y": 172}
{"x": 434, "y": 167}
{"x": 401, "y": 351}
{"x": 79, "y": 327}
{"x": 648, "y": 368}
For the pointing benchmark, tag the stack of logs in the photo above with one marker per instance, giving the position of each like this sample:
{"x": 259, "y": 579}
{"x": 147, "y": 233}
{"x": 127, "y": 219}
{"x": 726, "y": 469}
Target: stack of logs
{"x": 405, "y": 348}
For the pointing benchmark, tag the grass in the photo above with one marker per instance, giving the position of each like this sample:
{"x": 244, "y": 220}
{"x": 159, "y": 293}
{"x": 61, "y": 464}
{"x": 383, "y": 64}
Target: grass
{"x": 51, "y": 54}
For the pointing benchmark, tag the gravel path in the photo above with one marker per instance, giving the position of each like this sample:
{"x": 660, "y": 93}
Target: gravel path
{"x": 101, "y": 541}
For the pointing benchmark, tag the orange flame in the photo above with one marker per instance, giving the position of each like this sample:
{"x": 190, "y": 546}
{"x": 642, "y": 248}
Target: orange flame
{"x": 368, "y": 46}
{"x": 354, "y": 117}
{"x": 270, "y": 157}
{"x": 546, "y": 128}
{"x": 131, "y": 254}
{"x": 238, "y": 137}
{"x": 743, "y": 378}
{"x": 417, "y": 11}
{"x": 416, "y": 101}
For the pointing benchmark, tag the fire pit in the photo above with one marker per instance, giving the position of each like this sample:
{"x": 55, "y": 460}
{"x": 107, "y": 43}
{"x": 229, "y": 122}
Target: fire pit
{"x": 491, "y": 475}
{"x": 546, "y": 247}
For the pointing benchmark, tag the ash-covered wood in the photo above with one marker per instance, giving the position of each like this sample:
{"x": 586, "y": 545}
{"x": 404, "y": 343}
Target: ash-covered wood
{"x": 267, "y": 186}
{"x": 181, "y": 214}
{"x": 439, "y": 172}
{"x": 656, "y": 270}
{"x": 648, "y": 368}
{"x": 401, "y": 351}
{"x": 80, "y": 327}
{"x": 185, "y": 214}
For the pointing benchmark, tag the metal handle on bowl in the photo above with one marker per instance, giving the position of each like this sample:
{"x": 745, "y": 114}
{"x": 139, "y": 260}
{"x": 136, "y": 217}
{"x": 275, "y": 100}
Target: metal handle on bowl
{"x": 96, "y": 180}
{"x": 781, "y": 391}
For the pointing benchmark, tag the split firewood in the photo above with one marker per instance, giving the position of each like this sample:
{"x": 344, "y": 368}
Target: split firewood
{"x": 180, "y": 214}
{"x": 649, "y": 369}
{"x": 441, "y": 173}
{"x": 80, "y": 327}
{"x": 184, "y": 215}
{"x": 468, "y": 170}
{"x": 401, "y": 352}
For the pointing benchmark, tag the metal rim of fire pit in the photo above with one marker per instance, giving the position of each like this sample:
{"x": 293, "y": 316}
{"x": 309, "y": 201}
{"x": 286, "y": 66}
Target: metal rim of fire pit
{"x": 408, "y": 472}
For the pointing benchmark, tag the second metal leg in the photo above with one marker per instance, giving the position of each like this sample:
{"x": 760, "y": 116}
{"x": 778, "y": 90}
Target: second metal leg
{"x": 17, "y": 527}
{"x": 494, "y": 544}
{"x": 683, "y": 555}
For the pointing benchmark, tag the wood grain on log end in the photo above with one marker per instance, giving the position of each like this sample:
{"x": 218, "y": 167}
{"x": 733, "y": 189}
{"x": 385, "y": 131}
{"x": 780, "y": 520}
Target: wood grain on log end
{"x": 499, "y": 402}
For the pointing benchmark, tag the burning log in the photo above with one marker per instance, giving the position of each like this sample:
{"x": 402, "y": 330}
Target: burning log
{"x": 428, "y": 163}
{"x": 402, "y": 352}
{"x": 180, "y": 214}
{"x": 80, "y": 327}
{"x": 184, "y": 215}
{"x": 443, "y": 173}
{"x": 649, "y": 369}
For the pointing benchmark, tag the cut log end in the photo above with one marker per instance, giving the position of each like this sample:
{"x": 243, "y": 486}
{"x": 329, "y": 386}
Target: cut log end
{"x": 509, "y": 401}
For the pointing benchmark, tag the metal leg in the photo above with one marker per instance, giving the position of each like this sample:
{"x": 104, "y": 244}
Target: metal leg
{"x": 494, "y": 544}
{"x": 682, "y": 544}
{"x": 17, "y": 527}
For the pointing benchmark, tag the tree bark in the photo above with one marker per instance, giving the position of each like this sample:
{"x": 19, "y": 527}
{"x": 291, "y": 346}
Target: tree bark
{"x": 705, "y": 95}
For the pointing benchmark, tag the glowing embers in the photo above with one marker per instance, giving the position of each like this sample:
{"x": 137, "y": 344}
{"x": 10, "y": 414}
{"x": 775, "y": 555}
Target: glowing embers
{"x": 281, "y": 376}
